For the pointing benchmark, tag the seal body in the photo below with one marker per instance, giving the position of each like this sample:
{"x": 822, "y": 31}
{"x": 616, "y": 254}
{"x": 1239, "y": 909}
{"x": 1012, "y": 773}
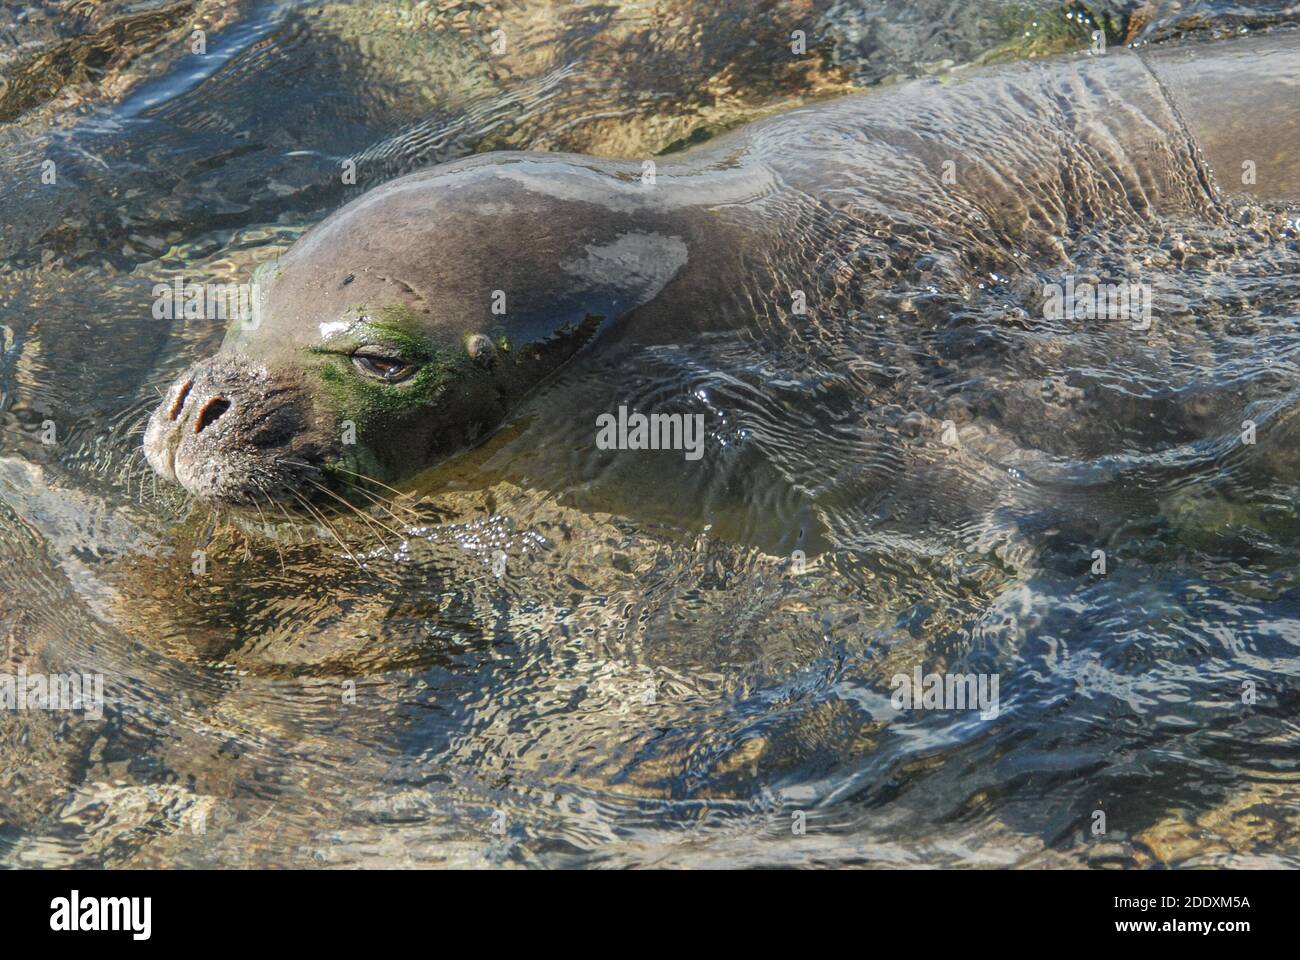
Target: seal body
{"x": 411, "y": 322}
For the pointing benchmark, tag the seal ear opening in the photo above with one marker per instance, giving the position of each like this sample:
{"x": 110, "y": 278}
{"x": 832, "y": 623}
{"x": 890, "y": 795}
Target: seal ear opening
{"x": 481, "y": 350}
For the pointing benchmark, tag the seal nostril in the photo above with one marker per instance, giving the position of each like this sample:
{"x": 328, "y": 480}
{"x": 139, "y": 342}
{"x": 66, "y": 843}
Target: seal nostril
{"x": 210, "y": 412}
{"x": 175, "y": 411}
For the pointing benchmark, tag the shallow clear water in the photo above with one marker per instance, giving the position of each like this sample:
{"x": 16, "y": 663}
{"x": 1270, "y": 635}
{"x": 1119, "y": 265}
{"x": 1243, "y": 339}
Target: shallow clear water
{"x": 651, "y": 679}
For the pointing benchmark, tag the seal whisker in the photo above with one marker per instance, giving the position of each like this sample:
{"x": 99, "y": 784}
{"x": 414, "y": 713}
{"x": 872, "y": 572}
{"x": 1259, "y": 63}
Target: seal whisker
{"x": 411, "y": 516}
{"x": 293, "y": 522}
{"x": 383, "y": 503}
{"x": 214, "y": 517}
{"x": 328, "y": 526}
{"x": 362, "y": 476}
{"x": 268, "y": 525}
{"x": 380, "y": 502}
{"x": 353, "y": 507}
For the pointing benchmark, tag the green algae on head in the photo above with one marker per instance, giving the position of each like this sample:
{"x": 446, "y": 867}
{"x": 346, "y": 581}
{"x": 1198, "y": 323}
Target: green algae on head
{"x": 366, "y": 397}
{"x": 375, "y": 374}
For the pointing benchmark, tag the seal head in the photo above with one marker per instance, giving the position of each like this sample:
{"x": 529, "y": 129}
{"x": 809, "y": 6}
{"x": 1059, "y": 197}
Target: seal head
{"x": 409, "y": 323}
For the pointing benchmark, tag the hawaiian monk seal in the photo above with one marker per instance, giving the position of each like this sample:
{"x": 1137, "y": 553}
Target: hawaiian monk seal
{"x": 381, "y": 317}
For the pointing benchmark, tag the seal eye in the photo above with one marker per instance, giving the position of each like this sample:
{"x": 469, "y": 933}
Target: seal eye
{"x": 383, "y": 367}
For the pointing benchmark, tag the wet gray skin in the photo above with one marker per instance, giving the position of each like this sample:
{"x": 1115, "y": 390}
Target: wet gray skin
{"x": 379, "y": 324}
